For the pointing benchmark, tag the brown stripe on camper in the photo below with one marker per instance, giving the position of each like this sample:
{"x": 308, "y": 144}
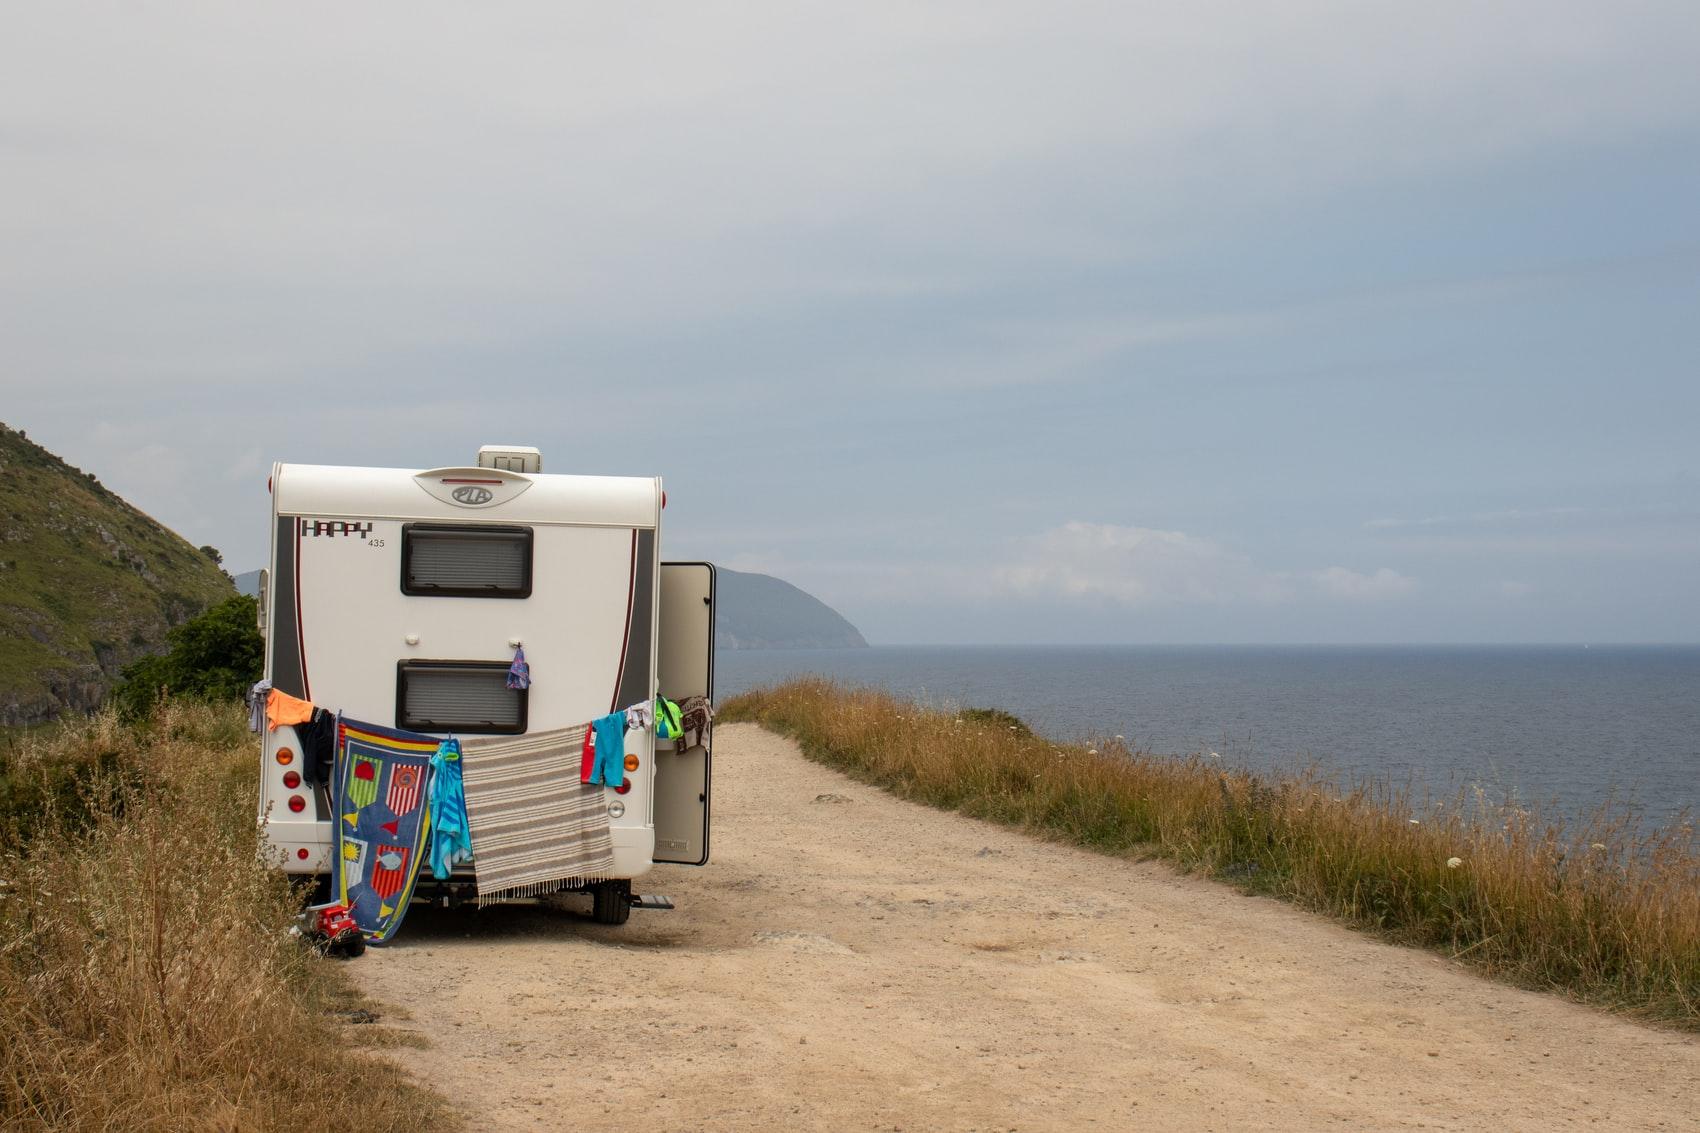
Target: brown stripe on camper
{"x": 300, "y": 633}
{"x": 287, "y": 667}
{"x": 633, "y": 682}
{"x": 533, "y": 823}
{"x": 626, "y": 639}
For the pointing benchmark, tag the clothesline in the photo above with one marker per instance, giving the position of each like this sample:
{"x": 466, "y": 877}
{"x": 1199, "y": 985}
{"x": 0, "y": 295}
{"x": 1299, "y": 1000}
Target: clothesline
{"x": 404, "y": 798}
{"x": 268, "y": 706}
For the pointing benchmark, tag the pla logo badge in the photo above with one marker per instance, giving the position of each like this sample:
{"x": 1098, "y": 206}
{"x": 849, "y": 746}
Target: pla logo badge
{"x": 472, "y": 495}
{"x": 473, "y": 487}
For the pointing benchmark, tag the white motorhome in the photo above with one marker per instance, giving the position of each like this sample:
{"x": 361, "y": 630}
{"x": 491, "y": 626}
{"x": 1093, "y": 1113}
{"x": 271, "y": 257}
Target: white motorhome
{"x": 399, "y": 597}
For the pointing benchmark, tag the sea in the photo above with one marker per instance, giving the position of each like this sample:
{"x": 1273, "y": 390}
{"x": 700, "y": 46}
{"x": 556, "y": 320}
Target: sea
{"x": 1563, "y": 728}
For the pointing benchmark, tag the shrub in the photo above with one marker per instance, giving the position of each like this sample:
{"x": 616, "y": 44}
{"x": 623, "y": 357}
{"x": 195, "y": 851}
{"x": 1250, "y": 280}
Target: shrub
{"x": 58, "y": 784}
{"x": 215, "y": 656}
{"x": 996, "y": 718}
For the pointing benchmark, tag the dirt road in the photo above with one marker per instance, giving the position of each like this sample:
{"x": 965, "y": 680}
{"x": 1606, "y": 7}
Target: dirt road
{"x": 849, "y": 961}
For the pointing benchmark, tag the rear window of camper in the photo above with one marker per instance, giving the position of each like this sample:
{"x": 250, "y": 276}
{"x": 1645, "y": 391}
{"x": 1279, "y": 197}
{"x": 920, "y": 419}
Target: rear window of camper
{"x": 458, "y": 696}
{"x": 465, "y": 562}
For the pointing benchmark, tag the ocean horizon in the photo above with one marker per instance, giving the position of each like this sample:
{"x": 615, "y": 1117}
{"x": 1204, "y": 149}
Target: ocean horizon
{"x": 1564, "y": 727}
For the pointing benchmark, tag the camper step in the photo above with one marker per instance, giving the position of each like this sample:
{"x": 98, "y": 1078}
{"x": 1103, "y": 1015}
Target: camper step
{"x": 651, "y": 901}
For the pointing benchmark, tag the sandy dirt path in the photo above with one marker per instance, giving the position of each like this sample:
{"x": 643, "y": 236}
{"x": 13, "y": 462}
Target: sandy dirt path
{"x": 851, "y": 961}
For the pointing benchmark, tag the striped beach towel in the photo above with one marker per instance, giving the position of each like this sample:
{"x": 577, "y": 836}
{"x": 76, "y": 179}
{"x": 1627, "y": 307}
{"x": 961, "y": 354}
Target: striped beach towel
{"x": 534, "y": 825}
{"x": 381, "y": 801}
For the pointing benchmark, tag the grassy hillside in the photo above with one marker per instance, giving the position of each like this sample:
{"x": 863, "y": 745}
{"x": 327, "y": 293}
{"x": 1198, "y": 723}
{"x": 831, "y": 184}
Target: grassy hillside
{"x": 87, "y": 584}
{"x": 147, "y": 977}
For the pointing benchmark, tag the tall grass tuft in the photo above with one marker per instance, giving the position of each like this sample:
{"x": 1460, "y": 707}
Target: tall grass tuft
{"x": 147, "y": 980}
{"x": 1600, "y": 910}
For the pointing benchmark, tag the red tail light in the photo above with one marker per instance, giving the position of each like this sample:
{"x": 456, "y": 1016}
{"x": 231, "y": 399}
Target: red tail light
{"x": 291, "y": 780}
{"x": 625, "y": 785}
{"x": 297, "y": 803}
{"x": 302, "y": 853}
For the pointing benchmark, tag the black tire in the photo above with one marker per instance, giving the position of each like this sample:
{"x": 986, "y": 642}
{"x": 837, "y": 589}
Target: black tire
{"x": 611, "y": 902}
{"x": 320, "y": 891}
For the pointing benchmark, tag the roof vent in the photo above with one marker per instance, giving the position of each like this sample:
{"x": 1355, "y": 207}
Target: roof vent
{"x": 511, "y": 458}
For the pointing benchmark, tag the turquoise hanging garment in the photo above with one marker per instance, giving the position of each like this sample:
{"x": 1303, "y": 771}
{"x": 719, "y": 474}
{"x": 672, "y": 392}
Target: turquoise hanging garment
{"x": 609, "y": 769}
{"x": 451, "y": 840}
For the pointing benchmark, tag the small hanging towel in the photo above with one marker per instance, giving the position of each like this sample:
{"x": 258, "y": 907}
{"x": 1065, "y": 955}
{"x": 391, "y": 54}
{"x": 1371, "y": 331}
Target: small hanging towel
{"x": 256, "y": 700}
{"x": 695, "y": 714}
{"x": 519, "y": 673}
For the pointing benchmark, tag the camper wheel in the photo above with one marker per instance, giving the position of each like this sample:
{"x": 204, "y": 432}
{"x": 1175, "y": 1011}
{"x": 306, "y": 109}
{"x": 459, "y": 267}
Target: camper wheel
{"x": 611, "y": 902}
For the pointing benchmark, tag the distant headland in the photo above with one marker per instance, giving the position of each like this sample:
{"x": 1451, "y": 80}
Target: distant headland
{"x": 758, "y": 611}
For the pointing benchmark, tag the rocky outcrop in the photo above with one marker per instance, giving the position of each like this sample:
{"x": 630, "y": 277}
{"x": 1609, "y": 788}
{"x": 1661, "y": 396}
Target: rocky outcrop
{"x": 88, "y": 584}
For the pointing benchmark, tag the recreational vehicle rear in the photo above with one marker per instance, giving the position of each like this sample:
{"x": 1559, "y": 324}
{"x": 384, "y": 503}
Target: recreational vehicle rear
{"x": 402, "y": 598}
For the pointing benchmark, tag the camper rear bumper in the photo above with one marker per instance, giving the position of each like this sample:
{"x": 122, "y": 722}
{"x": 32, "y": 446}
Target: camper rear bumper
{"x": 634, "y": 847}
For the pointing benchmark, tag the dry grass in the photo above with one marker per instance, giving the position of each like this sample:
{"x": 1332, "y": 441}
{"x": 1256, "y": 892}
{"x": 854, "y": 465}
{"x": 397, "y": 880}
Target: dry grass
{"x": 146, "y": 978}
{"x": 1601, "y": 911}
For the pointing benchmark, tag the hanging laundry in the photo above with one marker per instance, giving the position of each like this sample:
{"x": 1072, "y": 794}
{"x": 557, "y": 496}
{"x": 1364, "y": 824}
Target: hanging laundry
{"x": 695, "y": 714}
{"x": 587, "y": 759}
{"x": 281, "y": 709}
{"x": 532, "y": 826}
{"x": 451, "y": 838}
{"x": 256, "y": 702}
{"x": 317, "y": 738}
{"x": 640, "y": 717}
{"x": 667, "y": 724}
{"x": 383, "y": 822}
{"x": 609, "y": 766}
{"x": 519, "y": 673}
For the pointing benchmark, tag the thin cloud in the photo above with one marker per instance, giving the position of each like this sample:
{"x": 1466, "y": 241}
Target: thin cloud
{"x": 1128, "y": 565}
{"x": 1501, "y": 518}
{"x": 1141, "y": 566}
{"x": 1380, "y": 585}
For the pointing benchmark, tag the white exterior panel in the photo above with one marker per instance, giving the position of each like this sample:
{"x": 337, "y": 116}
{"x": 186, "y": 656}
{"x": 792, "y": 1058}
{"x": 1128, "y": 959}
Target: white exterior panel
{"x": 573, "y": 626}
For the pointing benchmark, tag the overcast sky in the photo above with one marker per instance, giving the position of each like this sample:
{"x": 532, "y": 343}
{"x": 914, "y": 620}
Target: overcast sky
{"x": 984, "y": 322}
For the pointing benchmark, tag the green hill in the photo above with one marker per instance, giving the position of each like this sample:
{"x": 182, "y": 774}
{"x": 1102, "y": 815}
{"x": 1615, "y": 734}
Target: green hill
{"x": 87, "y": 584}
{"x": 758, "y": 611}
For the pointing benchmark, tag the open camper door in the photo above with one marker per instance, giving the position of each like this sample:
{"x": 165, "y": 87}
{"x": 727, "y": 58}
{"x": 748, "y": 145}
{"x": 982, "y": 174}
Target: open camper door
{"x": 685, "y": 667}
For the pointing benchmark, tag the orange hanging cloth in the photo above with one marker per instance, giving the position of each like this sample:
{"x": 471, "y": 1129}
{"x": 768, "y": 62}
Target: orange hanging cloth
{"x": 281, "y": 709}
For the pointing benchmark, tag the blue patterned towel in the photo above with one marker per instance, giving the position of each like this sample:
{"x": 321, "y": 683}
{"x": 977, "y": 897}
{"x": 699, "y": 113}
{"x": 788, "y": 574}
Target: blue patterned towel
{"x": 385, "y": 817}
